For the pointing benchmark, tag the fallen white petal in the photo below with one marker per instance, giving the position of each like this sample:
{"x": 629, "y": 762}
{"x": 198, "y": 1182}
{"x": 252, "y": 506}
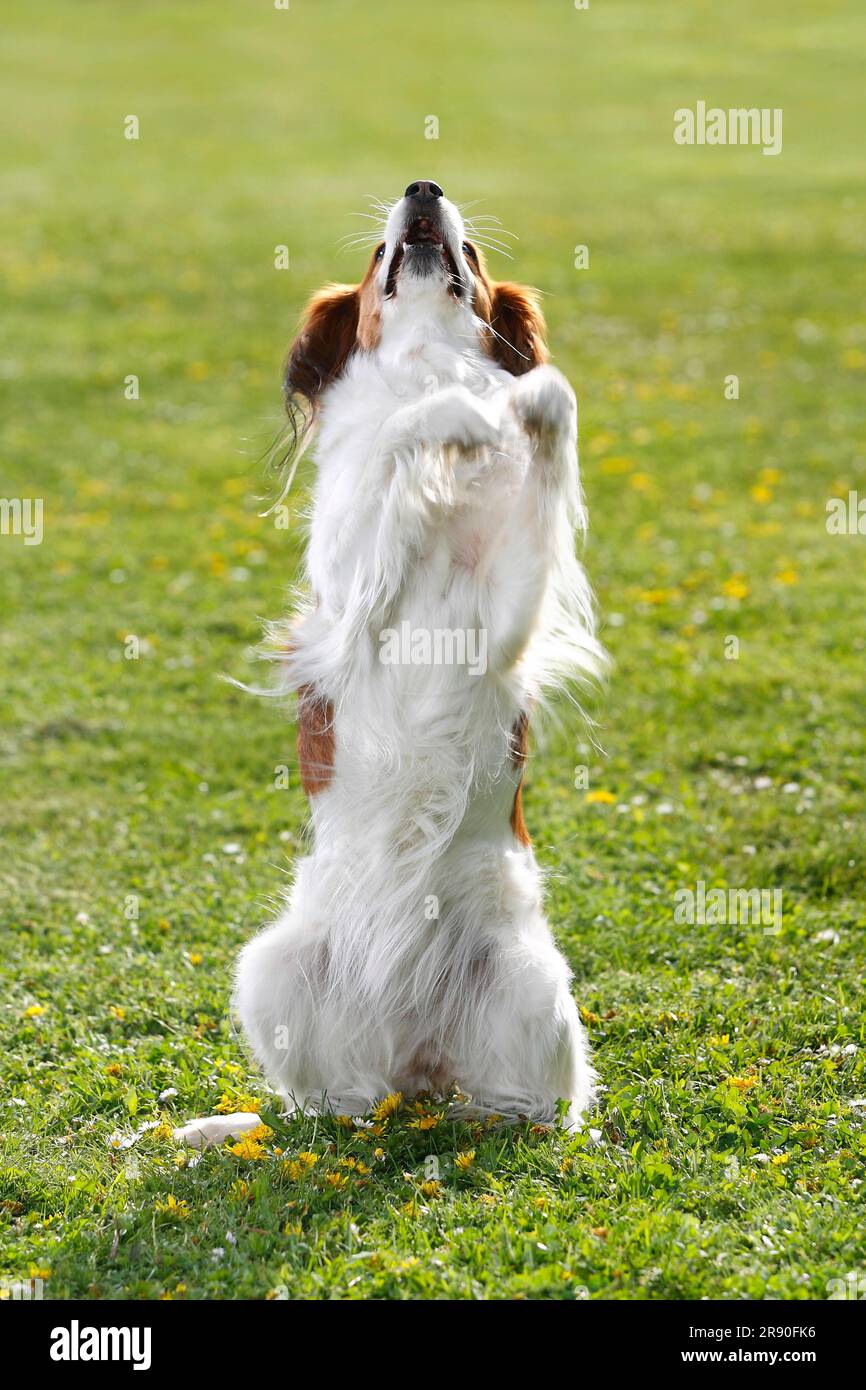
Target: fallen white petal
{"x": 215, "y": 1129}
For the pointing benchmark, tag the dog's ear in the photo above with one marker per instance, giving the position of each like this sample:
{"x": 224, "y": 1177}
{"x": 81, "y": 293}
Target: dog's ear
{"x": 519, "y": 331}
{"x": 327, "y": 336}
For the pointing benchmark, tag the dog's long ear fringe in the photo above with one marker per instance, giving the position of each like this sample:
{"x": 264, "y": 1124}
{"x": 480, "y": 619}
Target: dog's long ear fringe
{"x": 288, "y": 449}
{"x": 326, "y": 338}
{"x": 519, "y": 332}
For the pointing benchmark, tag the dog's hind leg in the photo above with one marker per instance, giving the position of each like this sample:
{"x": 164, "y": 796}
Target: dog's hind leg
{"x": 320, "y": 1047}
{"x": 524, "y": 1050}
{"x": 275, "y": 997}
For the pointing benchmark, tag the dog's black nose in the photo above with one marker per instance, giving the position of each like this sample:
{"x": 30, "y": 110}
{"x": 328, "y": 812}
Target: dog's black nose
{"x": 424, "y": 189}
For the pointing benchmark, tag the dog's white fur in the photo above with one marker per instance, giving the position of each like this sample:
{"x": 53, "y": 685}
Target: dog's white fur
{"x": 413, "y": 951}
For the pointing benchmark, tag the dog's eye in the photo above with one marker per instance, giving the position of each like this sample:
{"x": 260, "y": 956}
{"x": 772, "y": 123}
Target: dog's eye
{"x": 469, "y": 251}
{"x": 380, "y": 252}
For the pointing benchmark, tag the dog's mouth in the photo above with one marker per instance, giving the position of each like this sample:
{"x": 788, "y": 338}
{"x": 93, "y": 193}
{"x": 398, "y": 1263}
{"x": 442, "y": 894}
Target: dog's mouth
{"x": 423, "y": 247}
{"x": 422, "y": 232}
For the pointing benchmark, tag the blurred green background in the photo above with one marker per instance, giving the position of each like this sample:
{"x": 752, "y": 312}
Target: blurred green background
{"x": 143, "y": 836}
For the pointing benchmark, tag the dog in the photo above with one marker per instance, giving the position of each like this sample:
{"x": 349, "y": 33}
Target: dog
{"x": 445, "y": 603}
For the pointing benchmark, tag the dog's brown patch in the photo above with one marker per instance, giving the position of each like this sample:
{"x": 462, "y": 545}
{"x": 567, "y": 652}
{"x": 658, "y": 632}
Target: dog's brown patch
{"x": 518, "y": 336}
{"x": 519, "y": 749}
{"x": 315, "y": 740}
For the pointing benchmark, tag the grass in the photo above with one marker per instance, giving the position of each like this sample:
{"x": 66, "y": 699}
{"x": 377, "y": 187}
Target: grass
{"x": 144, "y": 838}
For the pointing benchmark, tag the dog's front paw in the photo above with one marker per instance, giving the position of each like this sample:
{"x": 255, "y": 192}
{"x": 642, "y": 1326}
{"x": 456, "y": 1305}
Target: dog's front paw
{"x": 544, "y": 402}
{"x": 455, "y": 416}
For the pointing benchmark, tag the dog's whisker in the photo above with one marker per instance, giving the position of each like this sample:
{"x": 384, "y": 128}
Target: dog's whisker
{"x": 497, "y": 250}
{"x": 493, "y": 229}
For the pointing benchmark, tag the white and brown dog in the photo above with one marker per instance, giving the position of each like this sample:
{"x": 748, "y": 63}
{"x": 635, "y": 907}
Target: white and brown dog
{"x": 445, "y": 600}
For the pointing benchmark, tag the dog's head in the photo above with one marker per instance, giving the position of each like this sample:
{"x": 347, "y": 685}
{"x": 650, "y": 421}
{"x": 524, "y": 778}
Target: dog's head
{"x": 424, "y": 270}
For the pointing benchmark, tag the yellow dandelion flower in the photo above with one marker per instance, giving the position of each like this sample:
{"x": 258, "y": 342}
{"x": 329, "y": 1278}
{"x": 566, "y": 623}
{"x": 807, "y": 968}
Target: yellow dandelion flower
{"x": 409, "y": 1209}
{"x": 588, "y": 1016}
{"x": 379, "y": 1153}
{"x": 761, "y": 493}
{"x": 194, "y": 958}
{"x": 742, "y": 1083}
{"x": 293, "y": 1170}
{"x": 248, "y": 1148}
{"x": 309, "y": 1160}
{"x": 338, "y": 1181}
{"x": 735, "y": 587}
{"x": 247, "y": 1105}
{"x": 35, "y": 1011}
{"x": 430, "y": 1189}
{"x": 719, "y": 1040}
{"x": 788, "y": 576}
{"x": 384, "y": 1109}
{"x": 641, "y": 482}
{"x": 173, "y": 1207}
{"x": 162, "y": 1131}
{"x": 114, "y": 1069}
{"x": 241, "y": 1104}
{"x": 656, "y": 597}
{"x": 600, "y": 798}
{"x": 426, "y": 1122}
{"x": 778, "y": 1159}
{"x": 117, "y": 1012}
{"x": 465, "y": 1160}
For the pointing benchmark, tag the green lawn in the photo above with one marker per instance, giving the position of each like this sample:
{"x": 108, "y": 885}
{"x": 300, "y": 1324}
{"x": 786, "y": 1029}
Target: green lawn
{"x": 143, "y": 837}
